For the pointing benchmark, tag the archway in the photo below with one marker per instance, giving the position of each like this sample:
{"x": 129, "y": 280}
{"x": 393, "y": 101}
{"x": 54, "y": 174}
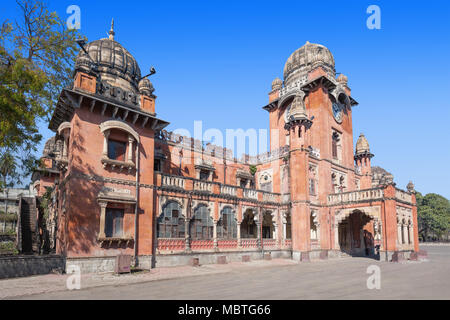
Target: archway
{"x": 268, "y": 227}
{"x": 248, "y": 225}
{"x": 356, "y": 235}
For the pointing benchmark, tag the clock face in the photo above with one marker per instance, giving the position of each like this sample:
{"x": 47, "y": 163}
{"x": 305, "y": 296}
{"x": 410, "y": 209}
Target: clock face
{"x": 337, "y": 112}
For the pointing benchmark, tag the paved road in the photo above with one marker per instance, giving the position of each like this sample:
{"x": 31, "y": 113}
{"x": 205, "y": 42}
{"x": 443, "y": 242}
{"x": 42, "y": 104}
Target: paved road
{"x": 332, "y": 279}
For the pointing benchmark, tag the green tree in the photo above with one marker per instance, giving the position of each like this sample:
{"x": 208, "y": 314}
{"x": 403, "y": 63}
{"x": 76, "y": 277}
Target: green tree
{"x": 37, "y": 53}
{"x": 8, "y": 172}
{"x": 433, "y": 214}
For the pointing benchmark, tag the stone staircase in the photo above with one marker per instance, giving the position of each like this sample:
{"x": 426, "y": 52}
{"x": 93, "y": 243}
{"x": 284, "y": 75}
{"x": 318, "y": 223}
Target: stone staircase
{"x": 29, "y": 227}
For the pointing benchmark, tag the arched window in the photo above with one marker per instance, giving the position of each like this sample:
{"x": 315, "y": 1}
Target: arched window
{"x": 227, "y": 226}
{"x": 201, "y": 226}
{"x": 248, "y": 225}
{"x": 171, "y": 222}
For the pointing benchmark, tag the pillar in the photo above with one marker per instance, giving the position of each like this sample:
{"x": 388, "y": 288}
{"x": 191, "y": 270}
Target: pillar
{"x": 130, "y": 148}
{"x": 101, "y": 233}
{"x": 105, "y": 143}
{"x": 399, "y": 233}
{"x": 186, "y": 235}
{"x": 215, "y": 234}
{"x": 405, "y": 234}
{"x": 239, "y": 234}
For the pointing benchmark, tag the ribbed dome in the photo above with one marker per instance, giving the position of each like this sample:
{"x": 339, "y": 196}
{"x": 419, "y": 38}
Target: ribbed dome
{"x": 276, "y": 83}
{"x": 146, "y": 87}
{"x": 307, "y": 58}
{"x": 362, "y": 145}
{"x": 114, "y": 63}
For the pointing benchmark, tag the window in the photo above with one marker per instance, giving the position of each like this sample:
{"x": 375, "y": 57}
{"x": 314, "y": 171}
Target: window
{"x": 171, "y": 222}
{"x": 334, "y": 145}
{"x": 227, "y": 226}
{"x": 114, "y": 223}
{"x": 312, "y": 187}
{"x": 288, "y": 226}
{"x": 204, "y": 175}
{"x": 116, "y": 150}
{"x": 157, "y": 165}
{"x": 243, "y": 183}
{"x": 201, "y": 226}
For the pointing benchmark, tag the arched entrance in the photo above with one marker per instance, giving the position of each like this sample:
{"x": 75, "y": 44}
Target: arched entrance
{"x": 356, "y": 235}
{"x": 248, "y": 225}
{"x": 268, "y": 227}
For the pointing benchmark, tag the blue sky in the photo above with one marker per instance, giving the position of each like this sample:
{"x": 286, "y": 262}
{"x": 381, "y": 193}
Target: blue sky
{"x": 215, "y": 61}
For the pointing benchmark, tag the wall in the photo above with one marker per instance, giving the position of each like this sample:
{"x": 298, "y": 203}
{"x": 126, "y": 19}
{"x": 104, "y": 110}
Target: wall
{"x": 25, "y": 266}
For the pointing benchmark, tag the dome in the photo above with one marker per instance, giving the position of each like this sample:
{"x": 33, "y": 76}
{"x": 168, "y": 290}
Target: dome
{"x": 362, "y": 145}
{"x": 112, "y": 61}
{"x": 146, "y": 87}
{"x": 410, "y": 186}
{"x": 342, "y": 79}
{"x": 276, "y": 83}
{"x": 307, "y": 58}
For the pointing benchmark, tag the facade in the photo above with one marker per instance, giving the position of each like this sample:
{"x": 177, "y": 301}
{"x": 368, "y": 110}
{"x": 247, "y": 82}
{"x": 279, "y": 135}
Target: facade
{"x": 127, "y": 186}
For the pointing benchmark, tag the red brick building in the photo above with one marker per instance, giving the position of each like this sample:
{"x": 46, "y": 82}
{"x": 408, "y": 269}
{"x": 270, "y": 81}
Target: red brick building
{"x": 126, "y": 185}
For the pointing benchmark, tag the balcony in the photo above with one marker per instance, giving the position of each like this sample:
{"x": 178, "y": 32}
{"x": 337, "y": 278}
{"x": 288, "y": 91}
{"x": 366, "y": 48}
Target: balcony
{"x": 356, "y": 196}
{"x": 228, "y": 190}
{"x": 403, "y": 196}
{"x": 250, "y": 194}
{"x": 173, "y": 181}
{"x": 203, "y": 186}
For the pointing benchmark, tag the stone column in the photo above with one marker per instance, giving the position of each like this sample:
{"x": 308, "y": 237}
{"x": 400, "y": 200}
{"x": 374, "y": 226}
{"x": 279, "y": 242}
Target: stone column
{"x": 336, "y": 236}
{"x": 215, "y": 235}
{"x": 64, "y": 155}
{"x": 411, "y": 234}
{"x": 101, "y": 233}
{"x": 405, "y": 234}
{"x": 105, "y": 144}
{"x": 239, "y": 234}
{"x": 187, "y": 238}
{"x": 258, "y": 236}
{"x": 130, "y": 148}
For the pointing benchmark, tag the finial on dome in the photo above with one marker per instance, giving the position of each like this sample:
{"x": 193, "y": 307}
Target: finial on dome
{"x": 111, "y": 32}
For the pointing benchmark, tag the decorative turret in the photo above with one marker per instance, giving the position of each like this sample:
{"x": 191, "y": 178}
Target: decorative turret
{"x": 146, "y": 87}
{"x": 362, "y": 158}
{"x": 342, "y": 79}
{"x": 276, "y": 84}
{"x": 410, "y": 187}
{"x": 362, "y": 148}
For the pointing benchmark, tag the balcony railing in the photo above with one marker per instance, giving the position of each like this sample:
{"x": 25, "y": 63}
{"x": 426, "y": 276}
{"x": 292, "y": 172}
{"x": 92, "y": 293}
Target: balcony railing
{"x": 173, "y": 181}
{"x": 251, "y": 194}
{"x": 355, "y": 196}
{"x": 187, "y": 183}
{"x": 229, "y": 190}
{"x": 203, "y": 186}
{"x": 403, "y": 195}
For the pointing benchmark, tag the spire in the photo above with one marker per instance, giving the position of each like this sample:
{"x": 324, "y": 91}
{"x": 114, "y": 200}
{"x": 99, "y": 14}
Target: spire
{"x": 111, "y": 32}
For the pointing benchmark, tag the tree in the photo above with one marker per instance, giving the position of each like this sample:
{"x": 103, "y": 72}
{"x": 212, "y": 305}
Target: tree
{"x": 433, "y": 213}
{"x": 8, "y": 173}
{"x": 37, "y": 53}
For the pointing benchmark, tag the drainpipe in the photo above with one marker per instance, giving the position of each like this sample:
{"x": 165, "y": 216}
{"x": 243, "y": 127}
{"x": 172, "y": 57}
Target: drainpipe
{"x": 136, "y": 211}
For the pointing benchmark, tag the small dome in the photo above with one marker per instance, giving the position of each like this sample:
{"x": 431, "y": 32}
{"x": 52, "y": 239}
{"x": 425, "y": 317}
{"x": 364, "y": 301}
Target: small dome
{"x": 362, "y": 145}
{"x": 410, "y": 187}
{"x": 146, "y": 87}
{"x": 307, "y": 58}
{"x": 276, "y": 83}
{"x": 342, "y": 79}
{"x": 112, "y": 61}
